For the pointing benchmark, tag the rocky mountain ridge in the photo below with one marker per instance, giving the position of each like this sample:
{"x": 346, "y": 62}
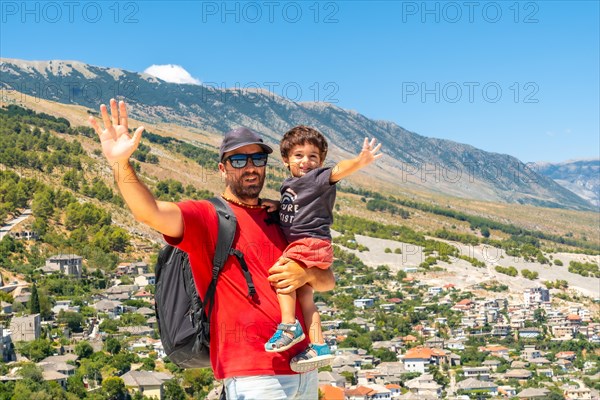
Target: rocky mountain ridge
{"x": 411, "y": 161}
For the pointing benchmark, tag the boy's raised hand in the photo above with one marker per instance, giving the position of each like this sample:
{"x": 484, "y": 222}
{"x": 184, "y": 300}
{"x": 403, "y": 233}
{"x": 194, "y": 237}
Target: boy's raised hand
{"x": 369, "y": 152}
{"x": 117, "y": 144}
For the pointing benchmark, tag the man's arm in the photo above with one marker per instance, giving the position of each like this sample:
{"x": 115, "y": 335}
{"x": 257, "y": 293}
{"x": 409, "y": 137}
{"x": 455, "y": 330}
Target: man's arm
{"x": 367, "y": 155}
{"x": 287, "y": 276}
{"x": 117, "y": 146}
{"x": 163, "y": 216}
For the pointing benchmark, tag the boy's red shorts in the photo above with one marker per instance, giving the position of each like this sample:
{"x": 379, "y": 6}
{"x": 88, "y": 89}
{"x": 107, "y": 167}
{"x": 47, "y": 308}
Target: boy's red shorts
{"x": 311, "y": 251}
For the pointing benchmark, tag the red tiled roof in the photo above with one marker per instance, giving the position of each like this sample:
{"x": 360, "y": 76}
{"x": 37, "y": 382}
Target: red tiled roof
{"x": 424, "y": 353}
{"x": 493, "y": 348}
{"x": 573, "y": 317}
{"x": 332, "y": 392}
{"x": 438, "y": 352}
{"x": 565, "y": 354}
{"x": 360, "y": 390}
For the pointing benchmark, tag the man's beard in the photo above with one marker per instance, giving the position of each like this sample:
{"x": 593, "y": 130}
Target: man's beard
{"x": 245, "y": 192}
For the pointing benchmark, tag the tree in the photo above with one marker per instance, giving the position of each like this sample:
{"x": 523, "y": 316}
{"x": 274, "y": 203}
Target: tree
{"x": 200, "y": 380}
{"x": 472, "y": 357}
{"x": 71, "y": 179}
{"x": 112, "y": 345}
{"x": 34, "y": 301}
{"x": 7, "y": 390}
{"x": 360, "y": 340}
{"x": 109, "y": 326}
{"x": 36, "y": 350}
{"x": 539, "y": 315}
{"x": 114, "y": 388}
{"x": 173, "y": 391}
{"x": 31, "y": 372}
{"x": 90, "y": 367}
{"x": 132, "y": 319}
{"x": 45, "y": 303}
{"x": 350, "y": 378}
{"x": 439, "y": 377}
{"x": 75, "y": 385}
{"x": 23, "y": 390}
{"x": 554, "y": 396}
{"x": 122, "y": 362}
{"x": 148, "y": 364}
{"x": 84, "y": 349}
{"x": 138, "y": 396}
{"x": 400, "y": 275}
{"x": 43, "y": 204}
{"x": 72, "y": 319}
{"x": 385, "y": 355}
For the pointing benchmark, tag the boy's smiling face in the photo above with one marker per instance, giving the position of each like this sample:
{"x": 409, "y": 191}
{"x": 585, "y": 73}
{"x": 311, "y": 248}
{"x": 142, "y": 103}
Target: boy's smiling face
{"x": 303, "y": 158}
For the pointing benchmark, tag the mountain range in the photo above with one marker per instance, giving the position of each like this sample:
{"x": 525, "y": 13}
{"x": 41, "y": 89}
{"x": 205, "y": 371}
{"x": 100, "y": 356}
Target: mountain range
{"x": 579, "y": 176}
{"x": 411, "y": 161}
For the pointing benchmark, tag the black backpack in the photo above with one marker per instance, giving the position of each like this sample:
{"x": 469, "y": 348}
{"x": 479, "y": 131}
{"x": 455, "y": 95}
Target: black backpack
{"x": 183, "y": 323}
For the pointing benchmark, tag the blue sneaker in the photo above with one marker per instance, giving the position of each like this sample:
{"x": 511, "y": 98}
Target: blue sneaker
{"x": 281, "y": 341}
{"x": 315, "y": 356}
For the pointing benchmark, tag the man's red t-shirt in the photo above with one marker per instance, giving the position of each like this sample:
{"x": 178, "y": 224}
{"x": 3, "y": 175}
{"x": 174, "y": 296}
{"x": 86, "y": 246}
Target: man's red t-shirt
{"x": 240, "y": 327}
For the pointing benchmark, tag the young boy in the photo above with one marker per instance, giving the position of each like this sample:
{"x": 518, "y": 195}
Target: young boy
{"x": 306, "y": 214}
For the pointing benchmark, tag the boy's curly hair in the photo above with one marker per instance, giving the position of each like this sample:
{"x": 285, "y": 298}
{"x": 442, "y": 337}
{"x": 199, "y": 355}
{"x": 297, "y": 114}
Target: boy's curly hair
{"x": 300, "y": 135}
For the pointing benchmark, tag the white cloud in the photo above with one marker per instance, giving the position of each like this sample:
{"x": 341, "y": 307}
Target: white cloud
{"x": 171, "y": 73}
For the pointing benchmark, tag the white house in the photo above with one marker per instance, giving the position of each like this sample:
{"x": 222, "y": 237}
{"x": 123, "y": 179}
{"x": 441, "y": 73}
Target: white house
{"x": 26, "y": 328}
{"x": 434, "y": 290}
{"x": 417, "y": 359}
{"x": 363, "y": 303}
{"x": 535, "y": 296}
{"x": 67, "y": 264}
{"x": 145, "y": 280}
{"x": 64, "y": 305}
{"x": 7, "y": 353}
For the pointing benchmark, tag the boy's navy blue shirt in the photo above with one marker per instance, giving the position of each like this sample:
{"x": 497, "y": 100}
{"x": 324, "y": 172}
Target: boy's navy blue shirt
{"x": 306, "y": 208}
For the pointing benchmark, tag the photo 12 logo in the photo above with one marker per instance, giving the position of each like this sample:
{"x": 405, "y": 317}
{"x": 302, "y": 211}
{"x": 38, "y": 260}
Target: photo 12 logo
{"x": 470, "y": 172}
{"x": 453, "y": 12}
{"x": 66, "y": 91}
{"x": 253, "y": 12}
{"x": 53, "y": 12}
{"x": 254, "y": 92}
{"x": 471, "y": 92}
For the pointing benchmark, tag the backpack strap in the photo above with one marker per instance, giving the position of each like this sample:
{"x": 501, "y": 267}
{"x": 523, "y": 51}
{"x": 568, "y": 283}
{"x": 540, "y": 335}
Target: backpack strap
{"x": 247, "y": 275}
{"x": 226, "y": 234}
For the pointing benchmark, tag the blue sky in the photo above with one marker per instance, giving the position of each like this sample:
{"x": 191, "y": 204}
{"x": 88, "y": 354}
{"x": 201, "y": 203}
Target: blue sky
{"x": 520, "y": 78}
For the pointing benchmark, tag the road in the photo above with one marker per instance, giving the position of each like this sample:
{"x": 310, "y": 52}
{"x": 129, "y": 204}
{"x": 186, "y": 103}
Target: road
{"x": 14, "y": 222}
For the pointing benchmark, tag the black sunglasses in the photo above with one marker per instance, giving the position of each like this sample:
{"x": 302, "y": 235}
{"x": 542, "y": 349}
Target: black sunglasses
{"x": 240, "y": 160}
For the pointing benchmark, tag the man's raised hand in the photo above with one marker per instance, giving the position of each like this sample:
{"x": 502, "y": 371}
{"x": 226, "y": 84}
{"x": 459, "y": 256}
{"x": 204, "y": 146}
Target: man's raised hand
{"x": 117, "y": 144}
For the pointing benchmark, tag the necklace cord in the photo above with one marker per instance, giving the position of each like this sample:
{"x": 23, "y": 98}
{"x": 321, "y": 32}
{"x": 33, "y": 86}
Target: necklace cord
{"x": 242, "y": 204}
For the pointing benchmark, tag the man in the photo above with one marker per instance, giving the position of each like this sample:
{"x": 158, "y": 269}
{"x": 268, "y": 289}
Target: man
{"x": 239, "y": 325}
